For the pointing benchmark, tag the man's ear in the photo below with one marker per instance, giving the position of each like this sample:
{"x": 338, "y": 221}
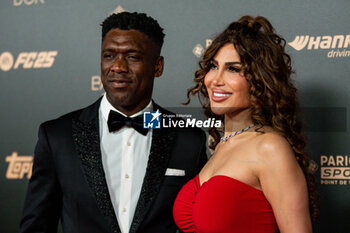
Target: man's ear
{"x": 158, "y": 71}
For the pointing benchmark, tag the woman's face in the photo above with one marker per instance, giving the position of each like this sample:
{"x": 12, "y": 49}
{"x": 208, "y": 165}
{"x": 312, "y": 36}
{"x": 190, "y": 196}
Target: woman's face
{"x": 227, "y": 87}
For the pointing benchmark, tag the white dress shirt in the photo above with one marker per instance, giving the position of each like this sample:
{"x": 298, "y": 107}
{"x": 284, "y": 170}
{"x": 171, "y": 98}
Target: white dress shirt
{"x": 124, "y": 157}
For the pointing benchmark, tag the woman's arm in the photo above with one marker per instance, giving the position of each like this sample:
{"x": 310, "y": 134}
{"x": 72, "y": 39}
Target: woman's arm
{"x": 284, "y": 185}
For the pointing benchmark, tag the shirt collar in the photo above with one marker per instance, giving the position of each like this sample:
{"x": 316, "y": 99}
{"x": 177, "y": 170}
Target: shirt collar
{"x": 106, "y": 107}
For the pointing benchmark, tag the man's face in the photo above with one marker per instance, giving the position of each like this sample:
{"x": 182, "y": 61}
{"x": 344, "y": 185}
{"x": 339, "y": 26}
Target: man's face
{"x": 129, "y": 63}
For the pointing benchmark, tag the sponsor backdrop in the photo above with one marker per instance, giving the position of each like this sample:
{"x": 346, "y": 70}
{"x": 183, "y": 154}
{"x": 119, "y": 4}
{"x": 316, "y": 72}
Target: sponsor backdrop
{"x": 49, "y": 65}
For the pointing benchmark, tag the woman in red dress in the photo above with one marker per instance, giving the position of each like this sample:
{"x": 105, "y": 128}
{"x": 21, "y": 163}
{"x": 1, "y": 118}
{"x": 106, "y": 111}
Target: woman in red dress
{"x": 259, "y": 178}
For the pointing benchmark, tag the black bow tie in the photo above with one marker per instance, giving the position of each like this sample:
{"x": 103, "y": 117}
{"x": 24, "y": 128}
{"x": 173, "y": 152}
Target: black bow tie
{"x": 117, "y": 121}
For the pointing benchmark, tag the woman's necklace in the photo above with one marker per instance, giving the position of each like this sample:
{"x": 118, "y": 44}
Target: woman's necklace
{"x": 224, "y": 139}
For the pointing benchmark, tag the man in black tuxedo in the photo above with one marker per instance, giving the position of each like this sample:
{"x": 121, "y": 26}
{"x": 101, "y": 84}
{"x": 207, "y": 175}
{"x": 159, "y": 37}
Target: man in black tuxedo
{"x": 96, "y": 169}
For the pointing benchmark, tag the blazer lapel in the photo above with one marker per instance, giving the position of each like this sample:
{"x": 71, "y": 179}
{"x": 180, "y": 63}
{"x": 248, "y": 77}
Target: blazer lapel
{"x": 162, "y": 144}
{"x": 87, "y": 142}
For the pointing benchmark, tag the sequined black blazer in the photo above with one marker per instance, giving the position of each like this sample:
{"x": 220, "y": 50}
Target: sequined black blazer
{"x": 68, "y": 182}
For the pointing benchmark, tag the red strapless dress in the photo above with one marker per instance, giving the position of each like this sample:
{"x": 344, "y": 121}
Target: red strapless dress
{"x": 223, "y": 205}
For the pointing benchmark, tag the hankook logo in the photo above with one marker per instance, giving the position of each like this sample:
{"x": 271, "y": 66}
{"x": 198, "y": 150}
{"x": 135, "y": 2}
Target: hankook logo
{"x": 337, "y": 44}
{"x": 27, "y": 60}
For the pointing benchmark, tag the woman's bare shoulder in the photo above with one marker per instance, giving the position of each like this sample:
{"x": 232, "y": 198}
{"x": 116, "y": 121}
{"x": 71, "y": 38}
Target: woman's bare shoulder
{"x": 272, "y": 147}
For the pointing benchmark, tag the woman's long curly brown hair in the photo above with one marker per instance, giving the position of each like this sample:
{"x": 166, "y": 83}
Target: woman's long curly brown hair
{"x": 273, "y": 97}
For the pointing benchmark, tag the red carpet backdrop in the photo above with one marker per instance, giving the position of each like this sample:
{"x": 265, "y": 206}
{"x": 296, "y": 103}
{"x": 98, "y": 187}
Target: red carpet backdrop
{"x": 49, "y": 65}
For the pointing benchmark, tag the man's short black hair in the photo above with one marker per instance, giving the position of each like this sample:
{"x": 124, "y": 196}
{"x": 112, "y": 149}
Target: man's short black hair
{"x": 136, "y": 21}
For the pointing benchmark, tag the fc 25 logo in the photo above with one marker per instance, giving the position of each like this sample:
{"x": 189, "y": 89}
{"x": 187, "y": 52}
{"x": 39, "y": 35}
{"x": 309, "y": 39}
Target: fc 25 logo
{"x": 27, "y": 60}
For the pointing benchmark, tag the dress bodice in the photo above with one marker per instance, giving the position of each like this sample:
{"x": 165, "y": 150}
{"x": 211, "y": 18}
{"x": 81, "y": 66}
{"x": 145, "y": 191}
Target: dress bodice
{"x": 223, "y": 205}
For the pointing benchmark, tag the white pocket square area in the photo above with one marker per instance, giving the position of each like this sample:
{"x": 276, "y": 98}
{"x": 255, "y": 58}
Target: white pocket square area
{"x": 174, "y": 172}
